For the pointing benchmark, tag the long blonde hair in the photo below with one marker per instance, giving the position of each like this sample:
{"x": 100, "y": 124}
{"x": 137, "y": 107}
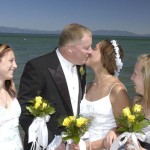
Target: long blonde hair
{"x": 144, "y": 60}
{"x": 9, "y": 84}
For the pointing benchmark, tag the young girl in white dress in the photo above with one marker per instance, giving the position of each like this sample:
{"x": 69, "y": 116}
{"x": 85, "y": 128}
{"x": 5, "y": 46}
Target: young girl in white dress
{"x": 141, "y": 81}
{"x": 9, "y": 107}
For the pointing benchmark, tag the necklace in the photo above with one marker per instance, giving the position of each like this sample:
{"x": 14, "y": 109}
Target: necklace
{"x": 94, "y": 83}
{"x": 5, "y": 102}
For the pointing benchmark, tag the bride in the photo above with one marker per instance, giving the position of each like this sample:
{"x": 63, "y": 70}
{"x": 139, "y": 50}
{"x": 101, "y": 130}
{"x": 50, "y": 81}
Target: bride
{"x": 105, "y": 97}
{"x": 9, "y": 107}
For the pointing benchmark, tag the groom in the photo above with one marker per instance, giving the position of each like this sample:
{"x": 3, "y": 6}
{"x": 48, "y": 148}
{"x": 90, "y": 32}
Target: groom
{"x": 58, "y": 77}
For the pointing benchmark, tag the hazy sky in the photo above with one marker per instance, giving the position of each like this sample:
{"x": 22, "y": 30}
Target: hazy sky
{"x": 51, "y": 15}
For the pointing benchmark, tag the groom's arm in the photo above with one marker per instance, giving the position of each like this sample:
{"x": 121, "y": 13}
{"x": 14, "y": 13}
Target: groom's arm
{"x": 29, "y": 84}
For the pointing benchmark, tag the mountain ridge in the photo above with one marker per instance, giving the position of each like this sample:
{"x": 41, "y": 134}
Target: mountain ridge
{"x": 4, "y": 29}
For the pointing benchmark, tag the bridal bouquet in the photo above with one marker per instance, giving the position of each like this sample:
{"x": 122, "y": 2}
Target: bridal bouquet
{"x": 75, "y": 127}
{"x": 38, "y": 133}
{"x": 131, "y": 123}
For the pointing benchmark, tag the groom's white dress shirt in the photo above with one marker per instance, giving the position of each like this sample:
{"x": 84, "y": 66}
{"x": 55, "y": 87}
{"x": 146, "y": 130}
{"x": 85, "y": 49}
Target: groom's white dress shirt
{"x": 70, "y": 72}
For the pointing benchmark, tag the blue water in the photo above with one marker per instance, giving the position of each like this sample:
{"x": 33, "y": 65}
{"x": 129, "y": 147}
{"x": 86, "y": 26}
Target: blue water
{"x": 28, "y": 46}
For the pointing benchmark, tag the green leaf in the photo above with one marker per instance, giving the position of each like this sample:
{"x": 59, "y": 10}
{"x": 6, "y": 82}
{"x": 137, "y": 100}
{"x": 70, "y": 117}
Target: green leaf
{"x": 122, "y": 129}
{"x": 143, "y": 124}
{"x": 76, "y": 139}
{"x": 135, "y": 127}
{"x": 66, "y": 138}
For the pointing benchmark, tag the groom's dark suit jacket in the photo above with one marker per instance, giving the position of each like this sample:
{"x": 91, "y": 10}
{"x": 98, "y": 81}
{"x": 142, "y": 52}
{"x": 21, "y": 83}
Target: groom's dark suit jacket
{"x": 44, "y": 76}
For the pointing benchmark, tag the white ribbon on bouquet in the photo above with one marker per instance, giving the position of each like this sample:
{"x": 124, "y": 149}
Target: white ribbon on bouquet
{"x": 123, "y": 138}
{"x": 69, "y": 141}
{"x": 38, "y": 133}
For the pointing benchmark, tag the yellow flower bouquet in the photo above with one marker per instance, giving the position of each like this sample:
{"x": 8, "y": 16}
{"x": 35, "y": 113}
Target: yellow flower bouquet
{"x": 38, "y": 133}
{"x": 40, "y": 107}
{"x": 75, "y": 127}
{"x": 132, "y": 120}
{"x": 130, "y": 124}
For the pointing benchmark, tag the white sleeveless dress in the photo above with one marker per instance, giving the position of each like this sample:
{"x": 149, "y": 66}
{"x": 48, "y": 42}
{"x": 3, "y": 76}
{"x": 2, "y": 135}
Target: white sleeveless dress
{"x": 9, "y": 127}
{"x": 102, "y": 114}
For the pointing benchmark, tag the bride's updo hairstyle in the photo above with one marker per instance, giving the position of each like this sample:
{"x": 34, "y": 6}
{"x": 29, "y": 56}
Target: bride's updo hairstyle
{"x": 109, "y": 58}
{"x": 9, "y": 84}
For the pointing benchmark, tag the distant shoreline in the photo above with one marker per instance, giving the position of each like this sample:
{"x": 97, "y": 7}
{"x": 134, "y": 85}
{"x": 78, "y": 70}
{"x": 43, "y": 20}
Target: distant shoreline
{"x": 10, "y": 30}
{"x": 40, "y": 34}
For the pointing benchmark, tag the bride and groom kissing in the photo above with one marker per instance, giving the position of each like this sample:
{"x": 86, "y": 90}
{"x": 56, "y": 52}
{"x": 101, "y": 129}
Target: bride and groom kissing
{"x": 60, "y": 76}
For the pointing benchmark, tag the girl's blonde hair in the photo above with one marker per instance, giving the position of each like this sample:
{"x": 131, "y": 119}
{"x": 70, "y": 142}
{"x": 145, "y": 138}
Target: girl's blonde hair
{"x": 144, "y": 60}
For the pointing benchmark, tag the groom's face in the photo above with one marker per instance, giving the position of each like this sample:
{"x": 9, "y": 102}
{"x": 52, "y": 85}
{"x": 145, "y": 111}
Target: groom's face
{"x": 81, "y": 50}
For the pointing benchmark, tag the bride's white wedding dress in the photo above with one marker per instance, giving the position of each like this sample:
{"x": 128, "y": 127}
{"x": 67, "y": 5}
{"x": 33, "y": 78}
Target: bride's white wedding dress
{"x": 102, "y": 116}
{"x": 9, "y": 127}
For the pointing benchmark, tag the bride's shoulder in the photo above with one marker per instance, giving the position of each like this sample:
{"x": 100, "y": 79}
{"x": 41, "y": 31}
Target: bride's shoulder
{"x": 115, "y": 83}
{"x": 117, "y": 87}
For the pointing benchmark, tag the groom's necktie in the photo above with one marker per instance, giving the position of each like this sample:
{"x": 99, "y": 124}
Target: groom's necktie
{"x": 75, "y": 89}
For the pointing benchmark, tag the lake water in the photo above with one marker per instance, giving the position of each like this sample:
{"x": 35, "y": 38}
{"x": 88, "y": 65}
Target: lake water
{"x": 28, "y": 46}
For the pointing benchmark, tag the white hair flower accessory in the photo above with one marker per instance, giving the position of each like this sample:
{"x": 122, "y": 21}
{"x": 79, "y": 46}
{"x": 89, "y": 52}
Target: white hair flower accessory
{"x": 117, "y": 57}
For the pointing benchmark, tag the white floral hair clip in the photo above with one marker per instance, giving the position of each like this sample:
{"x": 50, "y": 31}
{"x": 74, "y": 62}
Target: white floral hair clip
{"x": 117, "y": 59}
